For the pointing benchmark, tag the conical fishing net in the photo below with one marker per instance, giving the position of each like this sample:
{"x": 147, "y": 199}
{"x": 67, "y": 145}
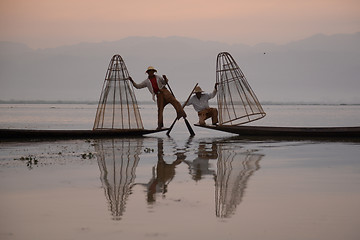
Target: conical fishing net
{"x": 118, "y": 108}
{"x": 237, "y": 103}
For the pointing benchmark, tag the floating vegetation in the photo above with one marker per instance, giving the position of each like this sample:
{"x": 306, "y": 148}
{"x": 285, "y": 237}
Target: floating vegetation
{"x": 30, "y": 160}
{"x": 148, "y": 150}
{"x": 89, "y": 155}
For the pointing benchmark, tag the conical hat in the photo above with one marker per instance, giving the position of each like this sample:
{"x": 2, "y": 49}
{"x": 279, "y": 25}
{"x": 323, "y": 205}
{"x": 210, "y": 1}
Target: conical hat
{"x": 198, "y": 89}
{"x": 151, "y": 68}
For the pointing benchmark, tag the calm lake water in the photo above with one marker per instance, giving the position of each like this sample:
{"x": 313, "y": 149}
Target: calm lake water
{"x": 212, "y": 186}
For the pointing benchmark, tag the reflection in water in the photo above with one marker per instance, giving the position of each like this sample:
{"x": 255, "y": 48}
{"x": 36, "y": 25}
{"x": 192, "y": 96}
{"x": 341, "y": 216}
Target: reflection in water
{"x": 118, "y": 159}
{"x": 200, "y": 165}
{"x": 233, "y": 172}
{"x": 163, "y": 174}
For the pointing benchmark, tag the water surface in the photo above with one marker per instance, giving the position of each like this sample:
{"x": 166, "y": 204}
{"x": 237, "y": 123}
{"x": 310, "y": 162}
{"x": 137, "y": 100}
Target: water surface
{"x": 212, "y": 186}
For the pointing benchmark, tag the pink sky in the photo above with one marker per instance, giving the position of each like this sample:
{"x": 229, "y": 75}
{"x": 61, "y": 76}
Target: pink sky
{"x": 51, "y": 23}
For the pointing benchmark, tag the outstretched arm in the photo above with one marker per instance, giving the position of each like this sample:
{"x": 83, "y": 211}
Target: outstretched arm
{"x": 213, "y": 94}
{"x": 138, "y": 86}
{"x": 166, "y": 80}
{"x": 188, "y": 103}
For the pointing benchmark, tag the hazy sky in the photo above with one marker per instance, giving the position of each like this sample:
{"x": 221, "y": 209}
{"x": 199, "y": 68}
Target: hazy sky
{"x": 51, "y": 23}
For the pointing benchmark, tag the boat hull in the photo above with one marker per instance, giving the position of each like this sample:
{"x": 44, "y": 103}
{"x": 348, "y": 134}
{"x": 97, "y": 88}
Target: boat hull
{"x": 324, "y": 132}
{"x": 43, "y": 134}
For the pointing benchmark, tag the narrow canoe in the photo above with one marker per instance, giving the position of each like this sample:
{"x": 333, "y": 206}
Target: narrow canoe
{"x": 324, "y": 132}
{"x": 42, "y": 134}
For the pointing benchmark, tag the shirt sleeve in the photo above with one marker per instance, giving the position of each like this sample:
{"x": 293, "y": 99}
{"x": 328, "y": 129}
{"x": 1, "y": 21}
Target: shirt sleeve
{"x": 213, "y": 94}
{"x": 189, "y": 102}
{"x": 162, "y": 80}
{"x": 140, "y": 85}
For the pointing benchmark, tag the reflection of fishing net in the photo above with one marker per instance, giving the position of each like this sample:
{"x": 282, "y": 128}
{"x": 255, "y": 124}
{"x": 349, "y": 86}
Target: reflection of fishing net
{"x": 117, "y": 107}
{"x": 118, "y": 159}
{"x": 233, "y": 173}
{"x": 237, "y": 103}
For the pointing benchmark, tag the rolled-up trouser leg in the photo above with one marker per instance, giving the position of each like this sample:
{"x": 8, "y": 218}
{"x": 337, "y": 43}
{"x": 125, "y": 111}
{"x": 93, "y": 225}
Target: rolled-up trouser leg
{"x": 214, "y": 115}
{"x": 160, "y": 105}
{"x": 202, "y": 116}
{"x": 208, "y": 113}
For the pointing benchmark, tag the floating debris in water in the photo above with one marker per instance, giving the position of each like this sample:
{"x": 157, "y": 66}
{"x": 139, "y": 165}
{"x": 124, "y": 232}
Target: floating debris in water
{"x": 148, "y": 150}
{"x": 30, "y": 161}
{"x": 87, "y": 155}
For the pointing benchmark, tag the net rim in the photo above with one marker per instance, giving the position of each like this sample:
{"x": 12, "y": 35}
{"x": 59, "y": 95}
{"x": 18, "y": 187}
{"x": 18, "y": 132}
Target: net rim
{"x": 262, "y": 115}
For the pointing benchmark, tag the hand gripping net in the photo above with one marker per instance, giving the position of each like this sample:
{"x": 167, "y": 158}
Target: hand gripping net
{"x": 118, "y": 108}
{"x": 237, "y": 103}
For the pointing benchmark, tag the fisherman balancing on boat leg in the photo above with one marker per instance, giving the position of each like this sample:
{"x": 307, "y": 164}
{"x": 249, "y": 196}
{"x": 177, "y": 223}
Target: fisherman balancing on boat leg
{"x": 156, "y": 85}
{"x": 200, "y": 102}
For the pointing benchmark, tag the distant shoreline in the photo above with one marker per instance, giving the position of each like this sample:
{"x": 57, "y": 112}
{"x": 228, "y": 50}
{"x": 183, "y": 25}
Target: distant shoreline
{"x": 151, "y": 102}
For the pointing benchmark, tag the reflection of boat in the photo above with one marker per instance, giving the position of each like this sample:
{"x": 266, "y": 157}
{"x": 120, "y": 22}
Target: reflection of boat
{"x": 325, "y": 132}
{"x": 233, "y": 173}
{"x": 32, "y": 133}
{"x": 118, "y": 159}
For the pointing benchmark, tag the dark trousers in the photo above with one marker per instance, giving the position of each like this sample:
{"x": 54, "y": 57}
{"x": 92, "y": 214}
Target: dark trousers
{"x": 163, "y": 98}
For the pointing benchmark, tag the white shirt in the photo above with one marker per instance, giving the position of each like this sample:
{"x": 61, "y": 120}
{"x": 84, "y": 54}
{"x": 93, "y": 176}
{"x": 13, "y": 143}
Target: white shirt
{"x": 203, "y": 102}
{"x": 147, "y": 83}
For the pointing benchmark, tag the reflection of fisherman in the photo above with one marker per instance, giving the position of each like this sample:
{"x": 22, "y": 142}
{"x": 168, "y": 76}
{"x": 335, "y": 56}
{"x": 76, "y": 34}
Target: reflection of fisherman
{"x": 164, "y": 173}
{"x": 156, "y": 85}
{"x": 200, "y": 165}
{"x": 200, "y": 102}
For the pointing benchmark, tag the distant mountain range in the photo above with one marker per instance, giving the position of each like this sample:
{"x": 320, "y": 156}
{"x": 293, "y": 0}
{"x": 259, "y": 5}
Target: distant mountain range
{"x": 321, "y": 68}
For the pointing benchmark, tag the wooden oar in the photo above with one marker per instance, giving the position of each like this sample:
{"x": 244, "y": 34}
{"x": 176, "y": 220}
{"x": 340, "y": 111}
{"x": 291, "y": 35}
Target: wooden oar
{"x": 186, "y": 121}
{"x": 191, "y": 131}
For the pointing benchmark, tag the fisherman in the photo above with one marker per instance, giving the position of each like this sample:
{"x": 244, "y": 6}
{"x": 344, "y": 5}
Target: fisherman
{"x": 156, "y": 85}
{"x": 200, "y": 102}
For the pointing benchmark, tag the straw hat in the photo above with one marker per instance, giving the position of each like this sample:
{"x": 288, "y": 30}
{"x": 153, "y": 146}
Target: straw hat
{"x": 151, "y": 68}
{"x": 198, "y": 89}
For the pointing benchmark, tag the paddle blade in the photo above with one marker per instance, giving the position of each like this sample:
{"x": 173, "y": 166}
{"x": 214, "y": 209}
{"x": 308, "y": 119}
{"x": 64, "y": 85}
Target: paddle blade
{"x": 191, "y": 131}
{"x": 171, "y": 127}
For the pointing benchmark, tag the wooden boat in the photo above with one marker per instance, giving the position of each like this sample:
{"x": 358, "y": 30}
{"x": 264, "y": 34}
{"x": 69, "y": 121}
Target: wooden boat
{"x": 324, "y": 132}
{"x": 72, "y": 134}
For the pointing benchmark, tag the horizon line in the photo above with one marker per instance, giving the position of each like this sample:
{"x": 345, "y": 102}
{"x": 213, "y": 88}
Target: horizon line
{"x": 93, "y": 102}
{"x": 178, "y": 36}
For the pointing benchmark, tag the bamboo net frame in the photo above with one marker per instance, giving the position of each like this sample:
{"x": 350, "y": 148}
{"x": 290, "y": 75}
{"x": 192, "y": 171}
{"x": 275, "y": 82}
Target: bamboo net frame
{"x": 237, "y": 102}
{"x": 117, "y": 108}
